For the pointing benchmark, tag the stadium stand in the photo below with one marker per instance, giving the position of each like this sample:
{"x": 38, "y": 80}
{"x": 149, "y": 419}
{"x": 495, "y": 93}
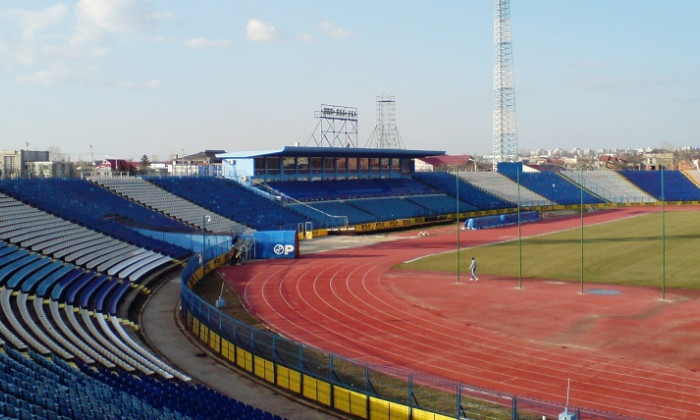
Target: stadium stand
{"x": 70, "y": 242}
{"x": 20, "y": 271}
{"x": 86, "y": 204}
{"x": 81, "y": 324}
{"x": 34, "y": 386}
{"x": 468, "y": 193}
{"x": 149, "y": 195}
{"x": 233, "y": 201}
{"x": 385, "y": 209}
{"x": 609, "y": 185}
{"x": 348, "y": 189}
{"x": 502, "y": 186}
{"x": 677, "y": 187}
{"x": 331, "y": 213}
{"x": 439, "y": 204}
{"x": 555, "y": 188}
{"x": 693, "y": 175}
{"x": 329, "y": 203}
{"x": 69, "y": 261}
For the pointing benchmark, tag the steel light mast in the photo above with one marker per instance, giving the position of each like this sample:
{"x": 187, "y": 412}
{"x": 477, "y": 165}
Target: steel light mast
{"x": 505, "y": 141}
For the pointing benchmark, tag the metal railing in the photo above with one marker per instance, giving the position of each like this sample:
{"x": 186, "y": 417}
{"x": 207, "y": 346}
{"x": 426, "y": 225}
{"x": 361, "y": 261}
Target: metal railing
{"x": 415, "y": 395}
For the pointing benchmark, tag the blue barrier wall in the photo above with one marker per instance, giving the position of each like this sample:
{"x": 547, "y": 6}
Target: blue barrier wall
{"x": 486, "y": 222}
{"x": 276, "y": 244}
{"x": 191, "y": 241}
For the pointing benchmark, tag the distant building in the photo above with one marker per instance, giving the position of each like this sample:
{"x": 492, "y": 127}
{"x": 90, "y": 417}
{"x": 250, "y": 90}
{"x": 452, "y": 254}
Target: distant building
{"x": 31, "y": 164}
{"x": 47, "y": 169}
{"x": 161, "y": 168}
{"x": 652, "y": 161}
{"x": 612, "y": 162}
{"x": 114, "y": 167}
{"x": 199, "y": 164}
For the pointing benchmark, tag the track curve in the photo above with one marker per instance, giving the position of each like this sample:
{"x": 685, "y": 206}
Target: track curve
{"x": 489, "y": 333}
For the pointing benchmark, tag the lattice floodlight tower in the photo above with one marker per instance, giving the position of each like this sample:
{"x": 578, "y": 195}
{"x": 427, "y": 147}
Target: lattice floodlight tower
{"x": 505, "y": 140}
{"x": 337, "y": 127}
{"x": 385, "y": 134}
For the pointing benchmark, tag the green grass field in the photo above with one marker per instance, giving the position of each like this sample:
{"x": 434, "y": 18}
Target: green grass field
{"x": 628, "y": 251}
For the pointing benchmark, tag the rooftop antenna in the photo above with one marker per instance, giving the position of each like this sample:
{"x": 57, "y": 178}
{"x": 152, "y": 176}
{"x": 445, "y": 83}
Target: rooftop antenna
{"x": 505, "y": 141}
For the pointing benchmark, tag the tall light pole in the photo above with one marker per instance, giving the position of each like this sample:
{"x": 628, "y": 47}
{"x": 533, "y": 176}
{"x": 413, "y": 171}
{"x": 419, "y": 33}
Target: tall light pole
{"x": 457, "y": 217}
{"x": 663, "y": 236}
{"x": 520, "y": 234}
{"x": 505, "y": 141}
{"x": 581, "y": 209}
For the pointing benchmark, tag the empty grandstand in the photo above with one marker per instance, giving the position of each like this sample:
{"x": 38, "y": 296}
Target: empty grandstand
{"x": 158, "y": 199}
{"x": 502, "y": 186}
{"x": 609, "y": 185}
{"x": 75, "y": 256}
{"x": 675, "y": 185}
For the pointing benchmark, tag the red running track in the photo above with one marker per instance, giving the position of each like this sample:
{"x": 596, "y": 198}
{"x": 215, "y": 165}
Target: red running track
{"x": 629, "y": 353}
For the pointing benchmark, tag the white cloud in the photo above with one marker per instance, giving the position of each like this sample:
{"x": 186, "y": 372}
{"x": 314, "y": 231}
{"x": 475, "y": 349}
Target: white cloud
{"x": 31, "y": 22}
{"x": 33, "y": 34}
{"x": 123, "y": 16}
{"x": 306, "y": 39}
{"x": 64, "y": 45}
{"x": 257, "y": 30}
{"x": 154, "y": 84}
{"x": 91, "y": 75}
{"x": 332, "y": 30}
{"x": 44, "y": 77}
{"x": 97, "y": 19}
{"x": 200, "y": 43}
{"x": 161, "y": 39}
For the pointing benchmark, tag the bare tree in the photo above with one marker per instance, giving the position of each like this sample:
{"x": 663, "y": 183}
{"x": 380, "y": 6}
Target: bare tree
{"x": 56, "y": 155}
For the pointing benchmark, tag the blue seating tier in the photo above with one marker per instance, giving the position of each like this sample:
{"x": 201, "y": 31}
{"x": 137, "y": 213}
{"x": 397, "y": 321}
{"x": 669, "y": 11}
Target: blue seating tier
{"x": 676, "y": 186}
{"x": 441, "y": 203}
{"x": 96, "y": 208}
{"x": 555, "y": 188}
{"x": 346, "y": 189}
{"x": 37, "y": 387}
{"x": 233, "y": 201}
{"x": 313, "y": 211}
{"x": 468, "y": 193}
{"x": 385, "y": 209}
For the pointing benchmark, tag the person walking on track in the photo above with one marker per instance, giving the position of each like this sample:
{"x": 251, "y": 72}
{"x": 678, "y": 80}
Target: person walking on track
{"x": 472, "y": 267}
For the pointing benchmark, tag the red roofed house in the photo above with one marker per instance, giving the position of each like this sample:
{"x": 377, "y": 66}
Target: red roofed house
{"x": 444, "y": 163}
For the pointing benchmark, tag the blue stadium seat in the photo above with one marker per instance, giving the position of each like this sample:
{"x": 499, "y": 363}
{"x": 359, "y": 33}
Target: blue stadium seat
{"x": 677, "y": 187}
{"x": 468, "y": 193}
{"x": 555, "y": 187}
{"x": 98, "y": 209}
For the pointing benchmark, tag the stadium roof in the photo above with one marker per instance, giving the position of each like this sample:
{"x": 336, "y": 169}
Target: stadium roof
{"x": 332, "y": 152}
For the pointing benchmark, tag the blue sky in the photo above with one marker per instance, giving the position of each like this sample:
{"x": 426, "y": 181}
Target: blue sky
{"x": 133, "y": 77}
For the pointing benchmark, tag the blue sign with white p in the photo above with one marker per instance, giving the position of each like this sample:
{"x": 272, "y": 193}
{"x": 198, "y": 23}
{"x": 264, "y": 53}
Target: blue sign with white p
{"x": 275, "y": 244}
